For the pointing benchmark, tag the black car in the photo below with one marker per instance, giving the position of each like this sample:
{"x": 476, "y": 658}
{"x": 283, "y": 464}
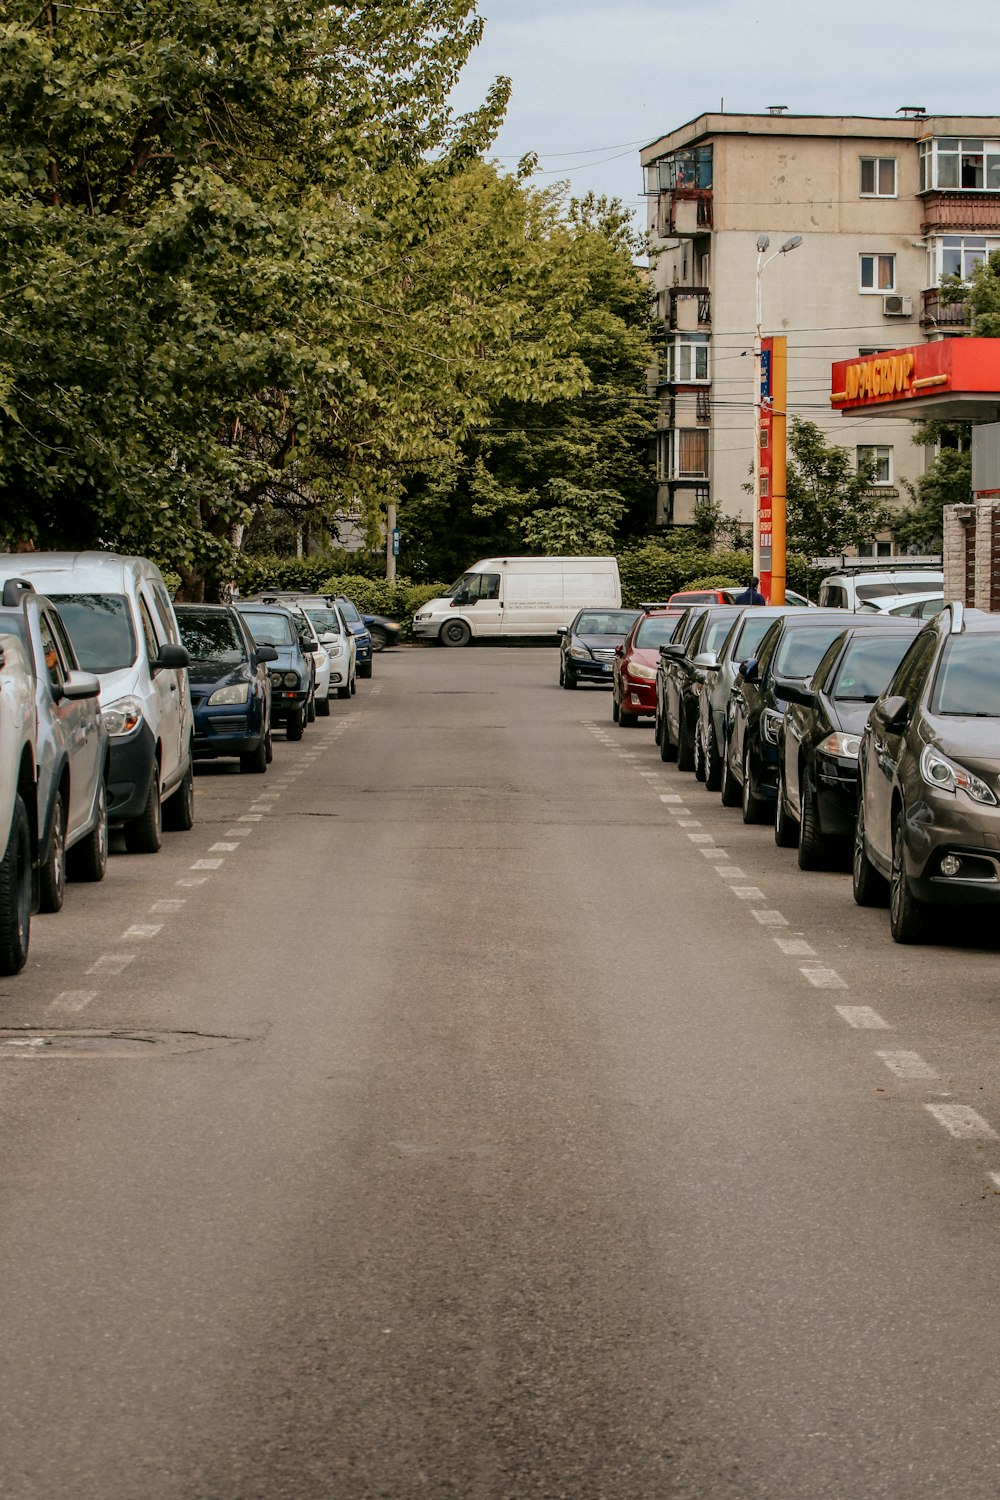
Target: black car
{"x": 818, "y": 751}
{"x": 292, "y": 675}
{"x": 587, "y": 645}
{"x": 793, "y": 647}
{"x": 680, "y": 680}
{"x": 383, "y": 631}
{"x": 230, "y": 685}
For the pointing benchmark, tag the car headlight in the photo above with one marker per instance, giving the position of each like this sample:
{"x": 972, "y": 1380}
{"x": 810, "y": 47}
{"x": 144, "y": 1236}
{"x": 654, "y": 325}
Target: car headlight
{"x": 641, "y": 672}
{"x": 771, "y": 725}
{"x": 239, "y": 692}
{"x": 424, "y": 615}
{"x": 290, "y": 680}
{"x": 122, "y": 717}
{"x": 841, "y": 744}
{"x": 580, "y": 653}
{"x": 948, "y": 776}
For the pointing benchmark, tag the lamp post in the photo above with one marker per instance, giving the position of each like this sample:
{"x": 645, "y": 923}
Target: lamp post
{"x": 763, "y": 241}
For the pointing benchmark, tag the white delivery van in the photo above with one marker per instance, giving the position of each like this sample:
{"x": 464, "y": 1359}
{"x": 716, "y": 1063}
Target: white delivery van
{"x": 518, "y": 596}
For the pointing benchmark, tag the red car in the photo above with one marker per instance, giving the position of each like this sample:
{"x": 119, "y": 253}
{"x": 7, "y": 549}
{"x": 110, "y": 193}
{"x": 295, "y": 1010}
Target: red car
{"x": 633, "y": 692}
{"x": 703, "y": 596}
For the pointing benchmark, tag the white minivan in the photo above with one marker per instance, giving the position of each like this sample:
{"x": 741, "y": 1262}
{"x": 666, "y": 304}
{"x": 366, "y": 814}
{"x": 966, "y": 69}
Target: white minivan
{"x": 119, "y": 617}
{"x": 518, "y": 596}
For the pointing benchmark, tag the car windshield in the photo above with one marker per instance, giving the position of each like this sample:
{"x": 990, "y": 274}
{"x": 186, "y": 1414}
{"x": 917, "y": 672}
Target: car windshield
{"x": 867, "y": 666}
{"x": 325, "y": 621}
{"x": 212, "y": 637}
{"x": 657, "y": 630}
{"x": 271, "y": 630}
{"x": 100, "y": 627}
{"x": 799, "y": 652}
{"x": 605, "y": 622}
{"x": 752, "y": 632}
{"x": 968, "y": 679}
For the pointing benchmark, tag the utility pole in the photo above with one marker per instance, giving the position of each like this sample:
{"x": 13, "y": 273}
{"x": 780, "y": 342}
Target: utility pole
{"x": 391, "y": 542}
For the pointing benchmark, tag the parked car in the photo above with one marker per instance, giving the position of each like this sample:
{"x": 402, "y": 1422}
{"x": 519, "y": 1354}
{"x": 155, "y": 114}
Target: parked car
{"x": 18, "y": 800}
{"x": 230, "y": 685}
{"x": 383, "y": 631}
{"x": 587, "y": 645}
{"x": 703, "y": 596}
{"x": 319, "y": 703}
{"x": 928, "y": 823}
{"x": 740, "y": 643}
{"x": 359, "y": 630}
{"x": 854, "y": 585}
{"x": 680, "y": 680}
{"x": 122, "y": 626}
{"x": 291, "y": 671}
{"x": 633, "y": 692}
{"x": 817, "y": 801}
{"x": 333, "y": 633}
{"x": 915, "y": 606}
{"x": 792, "y": 648}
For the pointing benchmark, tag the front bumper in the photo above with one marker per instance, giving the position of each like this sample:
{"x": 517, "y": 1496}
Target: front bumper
{"x": 638, "y": 697}
{"x": 285, "y": 701}
{"x": 939, "y": 825}
{"x": 586, "y": 669}
{"x": 837, "y": 794}
{"x": 132, "y": 764}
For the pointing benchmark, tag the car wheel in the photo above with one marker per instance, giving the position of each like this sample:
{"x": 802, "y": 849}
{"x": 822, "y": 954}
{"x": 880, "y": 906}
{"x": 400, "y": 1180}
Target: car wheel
{"x": 270, "y": 745}
{"x": 668, "y": 750}
{"x": 144, "y": 834}
{"x": 88, "y": 859}
{"x": 713, "y": 763}
{"x": 344, "y": 692}
{"x": 627, "y": 720}
{"x": 754, "y": 807}
{"x": 685, "y": 750}
{"x": 311, "y": 711}
{"x": 379, "y": 638}
{"x": 812, "y": 846}
{"x": 178, "y": 810}
{"x": 614, "y": 707}
{"x": 568, "y": 678}
{"x": 15, "y": 893}
{"x": 453, "y": 633}
{"x": 353, "y": 686}
{"x": 254, "y": 763}
{"x": 730, "y": 791}
{"x": 786, "y": 832}
{"x": 52, "y": 872}
{"x": 699, "y": 755}
{"x": 907, "y": 916}
{"x": 323, "y": 707}
{"x": 365, "y": 669}
{"x": 295, "y": 724}
{"x": 868, "y": 885}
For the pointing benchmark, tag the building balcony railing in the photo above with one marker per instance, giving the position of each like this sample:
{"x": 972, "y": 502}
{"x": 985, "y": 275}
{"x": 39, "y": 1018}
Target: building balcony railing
{"x": 935, "y": 312}
{"x": 684, "y": 211}
{"x": 972, "y": 211}
{"x": 690, "y": 308}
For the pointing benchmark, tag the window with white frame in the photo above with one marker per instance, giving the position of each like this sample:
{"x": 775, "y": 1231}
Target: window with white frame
{"x": 878, "y": 177}
{"x": 688, "y": 358}
{"x": 960, "y": 164}
{"x": 662, "y": 456}
{"x": 957, "y": 255}
{"x": 878, "y": 458}
{"x": 690, "y": 453}
{"x": 878, "y": 273}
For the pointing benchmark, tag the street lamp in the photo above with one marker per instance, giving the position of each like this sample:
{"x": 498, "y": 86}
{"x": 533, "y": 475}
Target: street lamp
{"x": 763, "y": 241}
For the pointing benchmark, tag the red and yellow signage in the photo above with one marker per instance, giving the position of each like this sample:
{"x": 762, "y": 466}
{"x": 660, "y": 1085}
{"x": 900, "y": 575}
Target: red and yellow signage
{"x": 953, "y": 367}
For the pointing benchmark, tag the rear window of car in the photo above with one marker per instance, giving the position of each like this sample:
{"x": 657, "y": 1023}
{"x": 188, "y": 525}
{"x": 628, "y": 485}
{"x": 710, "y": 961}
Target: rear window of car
{"x": 799, "y": 651}
{"x": 100, "y": 627}
{"x": 271, "y": 630}
{"x": 968, "y": 678}
{"x": 657, "y": 630}
{"x": 867, "y": 666}
{"x": 212, "y": 637}
{"x": 605, "y": 622}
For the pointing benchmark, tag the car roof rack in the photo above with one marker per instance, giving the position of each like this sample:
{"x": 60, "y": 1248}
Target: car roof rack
{"x": 14, "y": 589}
{"x": 957, "y": 611}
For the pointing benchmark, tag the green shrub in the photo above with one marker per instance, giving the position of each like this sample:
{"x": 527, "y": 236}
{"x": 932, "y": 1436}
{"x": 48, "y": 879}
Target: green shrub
{"x": 717, "y": 581}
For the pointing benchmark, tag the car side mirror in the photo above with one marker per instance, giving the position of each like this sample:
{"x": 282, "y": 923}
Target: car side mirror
{"x": 310, "y": 647}
{"x": 328, "y": 638}
{"x": 562, "y": 630}
{"x": 706, "y": 661}
{"x": 80, "y": 685}
{"x": 620, "y": 649}
{"x": 672, "y": 650}
{"x": 266, "y": 653}
{"x": 748, "y": 671}
{"x": 793, "y": 692}
{"x": 894, "y": 712}
{"x": 172, "y": 658}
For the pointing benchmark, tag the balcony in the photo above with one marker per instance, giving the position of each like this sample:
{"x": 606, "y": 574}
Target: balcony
{"x": 948, "y": 213}
{"x": 935, "y": 312}
{"x": 690, "y": 308}
{"x": 684, "y": 213}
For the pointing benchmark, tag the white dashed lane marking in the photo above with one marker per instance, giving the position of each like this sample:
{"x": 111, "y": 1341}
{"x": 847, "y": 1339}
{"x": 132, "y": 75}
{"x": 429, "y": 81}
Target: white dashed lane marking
{"x": 142, "y": 930}
{"x": 768, "y": 918}
{"x": 111, "y": 963}
{"x": 907, "y": 1064}
{"x": 222, "y": 848}
{"x": 73, "y": 1000}
{"x": 822, "y": 978}
{"x": 192, "y": 880}
{"x": 173, "y": 905}
{"x": 795, "y": 947}
{"x": 862, "y": 1017}
{"x": 747, "y": 892}
{"x": 207, "y": 864}
{"x": 961, "y": 1121}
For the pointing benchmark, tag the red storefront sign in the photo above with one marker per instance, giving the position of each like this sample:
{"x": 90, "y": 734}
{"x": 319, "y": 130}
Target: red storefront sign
{"x": 945, "y": 371}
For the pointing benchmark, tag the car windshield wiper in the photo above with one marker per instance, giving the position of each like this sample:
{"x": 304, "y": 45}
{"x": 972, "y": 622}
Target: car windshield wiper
{"x": 856, "y": 698}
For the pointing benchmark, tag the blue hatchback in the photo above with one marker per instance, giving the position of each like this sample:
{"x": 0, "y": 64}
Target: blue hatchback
{"x": 230, "y": 686}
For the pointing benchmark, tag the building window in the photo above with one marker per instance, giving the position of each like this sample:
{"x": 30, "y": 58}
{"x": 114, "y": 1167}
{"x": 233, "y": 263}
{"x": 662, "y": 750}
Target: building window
{"x": 878, "y": 273}
{"x": 691, "y": 450}
{"x": 963, "y": 164}
{"x": 878, "y": 177}
{"x": 879, "y": 457}
{"x": 682, "y": 169}
{"x": 662, "y": 456}
{"x": 957, "y": 255}
{"x": 688, "y": 358}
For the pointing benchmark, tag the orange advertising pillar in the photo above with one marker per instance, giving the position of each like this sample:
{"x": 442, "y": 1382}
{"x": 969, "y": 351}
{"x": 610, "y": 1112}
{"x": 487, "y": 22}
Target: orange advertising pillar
{"x": 779, "y": 432}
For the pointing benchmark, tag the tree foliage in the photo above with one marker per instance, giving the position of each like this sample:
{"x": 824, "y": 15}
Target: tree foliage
{"x": 830, "y": 507}
{"x": 948, "y": 481}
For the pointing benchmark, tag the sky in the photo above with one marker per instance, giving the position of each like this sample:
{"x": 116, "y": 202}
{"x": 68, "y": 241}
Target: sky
{"x": 595, "y": 81}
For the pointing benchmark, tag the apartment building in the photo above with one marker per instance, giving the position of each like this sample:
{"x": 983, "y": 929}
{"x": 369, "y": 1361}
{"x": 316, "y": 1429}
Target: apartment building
{"x": 885, "y": 208}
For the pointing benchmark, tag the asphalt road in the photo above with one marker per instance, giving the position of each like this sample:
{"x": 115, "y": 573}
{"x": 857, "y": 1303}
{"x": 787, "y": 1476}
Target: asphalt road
{"x": 474, "y": 1107}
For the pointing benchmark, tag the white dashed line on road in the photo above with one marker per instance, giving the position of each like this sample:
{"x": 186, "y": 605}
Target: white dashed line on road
{"x": 222, "y": 848}
{"x": 111, "y": 963}
{"x": 795, "y": 947}
{"x": 142, "y": 930}
{"x": 670, "y": 797}
{"x": 192, "y": 880}
{"x": 822, "y": 978}
{"x": 747, "y": 892}
{"x": 862, "y": 1018}
{"x": 165, "y": 907}
{"x": 73, "y": 1000}
{"x": 907, "y": 1064}
{"x": 207, "y": 864}
{"x": 962, "y": 1121}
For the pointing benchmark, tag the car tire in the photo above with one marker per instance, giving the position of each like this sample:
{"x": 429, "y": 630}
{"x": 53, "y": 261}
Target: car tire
{"x": 15, "y": 893}
{"x": 615, "y": 710}
{"x": 311, "y": 711}
{"x": 353, "y": 686}
{"x": 907, "y": 915}
{"x": 568, "y": 678}
{"x": 144, "y": 834}
{"x": 344, "y": 692}
{"x": 699, "y": 755}
{"x": 452, "y": 633}
{"x": 254, "y": 763}
{"x": 379, "y": 638}
{"x": 365, "y": 668}
{"x": 713, "y": 763}
{"x": 754, "y": 807}
{"x": 52, "y": 870}
{"x": 178, "y": 810}
{"x": 88, "y": 859}
{"x": 685, "y": 750}
{"x": 730, "y": 791}
{"x": 868, "y": 885}
{"x": 668, "y": 750}
{"x": 323, "y": 707}
{"x": 627, "y": 720}
{"x": 295, "y": 724}
{"x": 270, "y": 745}
{"x": 786, "y": 830}
{"x": 812, "y": 847}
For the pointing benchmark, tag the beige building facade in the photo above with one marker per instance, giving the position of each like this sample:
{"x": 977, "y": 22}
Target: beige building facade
{"x": 884, "y": 207}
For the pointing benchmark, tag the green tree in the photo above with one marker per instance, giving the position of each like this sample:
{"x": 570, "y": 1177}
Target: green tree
{"x": 830, "y": 506}
{"x": 947, "y": 481}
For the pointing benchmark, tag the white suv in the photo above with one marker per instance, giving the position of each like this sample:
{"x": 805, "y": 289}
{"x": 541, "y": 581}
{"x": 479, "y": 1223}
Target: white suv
{"x": 17, "y": 795}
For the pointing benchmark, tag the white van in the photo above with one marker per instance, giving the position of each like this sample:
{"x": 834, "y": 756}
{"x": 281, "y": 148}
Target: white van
{"x": 518, "y": 596}
{"x": 119, "y": 617}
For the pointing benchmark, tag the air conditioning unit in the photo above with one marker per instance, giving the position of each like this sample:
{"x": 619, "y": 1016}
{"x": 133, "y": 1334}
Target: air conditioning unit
{"x": 896, "y": 306}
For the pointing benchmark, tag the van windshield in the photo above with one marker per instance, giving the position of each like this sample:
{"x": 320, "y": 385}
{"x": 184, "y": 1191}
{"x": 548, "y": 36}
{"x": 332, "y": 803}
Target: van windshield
{"x": 100, "y": 627}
